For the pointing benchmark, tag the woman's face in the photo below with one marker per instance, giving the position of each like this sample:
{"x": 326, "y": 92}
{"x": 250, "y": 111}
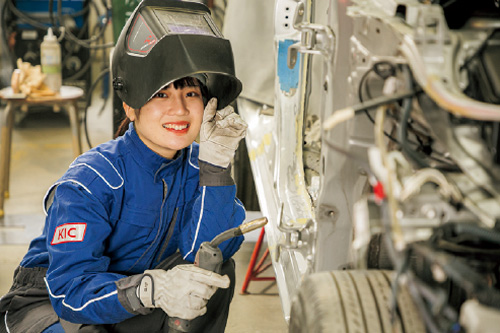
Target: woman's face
{"x": 170, "y": 121}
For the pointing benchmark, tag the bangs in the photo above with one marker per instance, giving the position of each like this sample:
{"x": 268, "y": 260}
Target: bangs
{"x": 186, "y": 82}
{"x": 192, "y": 82}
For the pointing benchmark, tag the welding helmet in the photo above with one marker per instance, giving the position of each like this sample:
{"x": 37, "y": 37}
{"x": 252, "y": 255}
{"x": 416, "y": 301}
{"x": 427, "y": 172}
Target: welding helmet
{"x": 165, "y": 40}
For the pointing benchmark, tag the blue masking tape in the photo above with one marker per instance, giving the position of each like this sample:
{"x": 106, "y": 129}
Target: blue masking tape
{"x": 288, "y": 78}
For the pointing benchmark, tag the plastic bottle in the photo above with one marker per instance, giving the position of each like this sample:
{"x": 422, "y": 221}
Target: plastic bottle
{"x": 50, "y": 54}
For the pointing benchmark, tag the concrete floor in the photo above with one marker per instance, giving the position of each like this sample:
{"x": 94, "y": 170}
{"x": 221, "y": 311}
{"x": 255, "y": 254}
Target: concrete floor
{"x": 41, "y": 152}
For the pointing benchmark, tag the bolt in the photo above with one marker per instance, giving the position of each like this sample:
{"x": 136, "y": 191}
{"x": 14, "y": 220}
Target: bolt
{"x": 428, "y": 211}
{"x": 437, "y": 273}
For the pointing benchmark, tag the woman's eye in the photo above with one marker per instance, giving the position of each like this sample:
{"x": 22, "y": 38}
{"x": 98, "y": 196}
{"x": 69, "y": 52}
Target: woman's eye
{"x": 192, "y": 94}
{"x": 160, "y": 95}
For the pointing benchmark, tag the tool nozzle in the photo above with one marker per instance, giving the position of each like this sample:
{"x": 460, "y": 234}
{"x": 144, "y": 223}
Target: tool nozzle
{"x": 238, "y": 231}
{"x": 252, "y": 225}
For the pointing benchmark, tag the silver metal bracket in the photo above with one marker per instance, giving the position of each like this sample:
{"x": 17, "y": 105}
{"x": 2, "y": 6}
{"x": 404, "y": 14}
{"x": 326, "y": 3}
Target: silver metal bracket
{"x": 314, "y": 39}
{"x": 296, "y": 237}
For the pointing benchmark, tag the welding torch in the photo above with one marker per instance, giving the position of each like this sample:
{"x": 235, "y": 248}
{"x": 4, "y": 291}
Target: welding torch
{"x": 209, "y": 257}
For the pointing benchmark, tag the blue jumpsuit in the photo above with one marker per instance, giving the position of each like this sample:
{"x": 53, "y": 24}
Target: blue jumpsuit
{"x": 110, "y": 216}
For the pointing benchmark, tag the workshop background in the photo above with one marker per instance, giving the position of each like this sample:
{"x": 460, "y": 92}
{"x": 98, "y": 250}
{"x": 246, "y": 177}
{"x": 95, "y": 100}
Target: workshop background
{"x": 42, "y": 136}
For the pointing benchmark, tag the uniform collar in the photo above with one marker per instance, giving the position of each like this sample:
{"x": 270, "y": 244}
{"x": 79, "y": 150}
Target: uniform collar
{"x": 148, "y": 159}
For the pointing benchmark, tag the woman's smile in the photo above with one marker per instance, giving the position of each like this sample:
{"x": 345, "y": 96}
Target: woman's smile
{"x": 177, "y": 127}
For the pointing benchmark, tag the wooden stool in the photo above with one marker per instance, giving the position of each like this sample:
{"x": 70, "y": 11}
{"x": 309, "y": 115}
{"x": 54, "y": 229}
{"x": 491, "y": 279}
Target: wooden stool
{"x": 67, "y": 97}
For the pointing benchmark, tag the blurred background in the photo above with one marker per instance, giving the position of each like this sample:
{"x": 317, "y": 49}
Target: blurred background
{"x": 86, "y": 31}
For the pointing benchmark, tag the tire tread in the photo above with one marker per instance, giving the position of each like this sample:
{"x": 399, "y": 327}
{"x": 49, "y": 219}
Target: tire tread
{"x": 352, "y": 302}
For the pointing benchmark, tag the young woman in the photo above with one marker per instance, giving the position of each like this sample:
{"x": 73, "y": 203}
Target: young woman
{"x": 125, "y": 221}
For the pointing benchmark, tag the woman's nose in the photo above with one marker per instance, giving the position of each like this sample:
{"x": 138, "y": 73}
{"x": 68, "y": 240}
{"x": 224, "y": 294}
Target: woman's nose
{"x": 178, "y": 106}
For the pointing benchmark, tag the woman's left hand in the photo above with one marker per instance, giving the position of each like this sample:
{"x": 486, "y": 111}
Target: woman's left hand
{"x": 221, "y": 132}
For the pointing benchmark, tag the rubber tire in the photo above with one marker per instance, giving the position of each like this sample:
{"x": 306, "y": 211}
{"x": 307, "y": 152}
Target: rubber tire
{"x": 352, "y": 301}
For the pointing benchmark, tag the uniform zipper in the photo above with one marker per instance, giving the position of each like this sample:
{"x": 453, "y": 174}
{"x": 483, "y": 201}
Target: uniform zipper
{"x": 169, "y": 235}
{"x": 165, "y": 190}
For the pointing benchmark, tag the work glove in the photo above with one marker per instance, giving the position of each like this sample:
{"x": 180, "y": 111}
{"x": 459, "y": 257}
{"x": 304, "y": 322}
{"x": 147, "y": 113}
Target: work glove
{"x": 181, "y": 292}
{"x": 221, "y": 131}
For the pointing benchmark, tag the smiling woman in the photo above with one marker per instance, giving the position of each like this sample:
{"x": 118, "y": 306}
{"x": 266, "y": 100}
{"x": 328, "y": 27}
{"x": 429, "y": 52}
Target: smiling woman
{"x": 193, "y": 81}
{"x": 171, "y": 119}
{"x": 125, "y": 222}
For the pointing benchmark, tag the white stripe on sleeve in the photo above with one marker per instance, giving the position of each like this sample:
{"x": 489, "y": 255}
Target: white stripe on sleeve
{"x": 199, "y": 223}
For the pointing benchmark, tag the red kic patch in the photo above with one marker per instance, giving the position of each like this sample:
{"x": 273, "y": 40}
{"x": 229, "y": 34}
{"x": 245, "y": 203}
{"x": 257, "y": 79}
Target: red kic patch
{"x": 69, "y": 232}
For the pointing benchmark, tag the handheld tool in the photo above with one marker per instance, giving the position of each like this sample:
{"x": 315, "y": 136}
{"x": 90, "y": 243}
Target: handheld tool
{"x": 209, "y": 257}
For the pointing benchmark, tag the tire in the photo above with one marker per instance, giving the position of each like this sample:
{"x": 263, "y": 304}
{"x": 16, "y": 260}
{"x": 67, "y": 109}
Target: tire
{"x": 352, "y": 301}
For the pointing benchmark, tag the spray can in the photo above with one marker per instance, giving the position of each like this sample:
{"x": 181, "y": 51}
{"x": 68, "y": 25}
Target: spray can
{"x": 50, "y": 53}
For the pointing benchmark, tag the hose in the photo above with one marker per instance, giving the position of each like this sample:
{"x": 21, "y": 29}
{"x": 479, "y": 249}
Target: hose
{"x": 89, "y": 100}
{"x": 25, "y": 17}
{"x": 86, "y": 42}
{"x": 472, "y": 229}
{"x": 403, "y": 125}
{"x": 393, "y": 205}
{"x": 5, "y": 38}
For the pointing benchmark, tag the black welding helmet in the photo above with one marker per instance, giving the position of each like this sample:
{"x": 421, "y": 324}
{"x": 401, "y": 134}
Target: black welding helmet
{"x": 165, "y": 40}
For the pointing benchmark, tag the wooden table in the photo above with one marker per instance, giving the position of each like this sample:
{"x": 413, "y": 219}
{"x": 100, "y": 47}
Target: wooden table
{"x": 67, "y": 98}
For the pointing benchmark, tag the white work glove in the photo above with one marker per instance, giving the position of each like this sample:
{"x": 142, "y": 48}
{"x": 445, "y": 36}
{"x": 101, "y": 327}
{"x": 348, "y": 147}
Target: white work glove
{"x": 181, "y": 292}
{"x": 220, "y": 133}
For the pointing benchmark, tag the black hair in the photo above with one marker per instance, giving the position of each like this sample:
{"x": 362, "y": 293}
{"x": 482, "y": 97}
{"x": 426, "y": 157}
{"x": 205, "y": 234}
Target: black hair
{"x": 178, "y": 84}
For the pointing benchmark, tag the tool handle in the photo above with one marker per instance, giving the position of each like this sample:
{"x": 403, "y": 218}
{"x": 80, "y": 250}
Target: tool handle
{"x": 209, "y": 258}
{"x": 179, "y": 325}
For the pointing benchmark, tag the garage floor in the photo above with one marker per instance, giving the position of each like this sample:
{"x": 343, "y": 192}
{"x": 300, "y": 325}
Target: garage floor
{"x": 41, "y": 152}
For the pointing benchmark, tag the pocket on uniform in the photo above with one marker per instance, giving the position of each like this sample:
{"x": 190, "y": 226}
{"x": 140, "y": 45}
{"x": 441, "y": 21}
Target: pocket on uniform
{"x": 138, "y": 217}
{"x": 133, "y": 230}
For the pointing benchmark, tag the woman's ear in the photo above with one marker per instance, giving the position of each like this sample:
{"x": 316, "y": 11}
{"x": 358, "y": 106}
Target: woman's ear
{"x": 129, "y": 111}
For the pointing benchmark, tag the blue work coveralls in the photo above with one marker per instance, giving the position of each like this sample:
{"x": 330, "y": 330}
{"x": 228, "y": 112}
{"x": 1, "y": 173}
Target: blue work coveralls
{"x": 119, "y": 210}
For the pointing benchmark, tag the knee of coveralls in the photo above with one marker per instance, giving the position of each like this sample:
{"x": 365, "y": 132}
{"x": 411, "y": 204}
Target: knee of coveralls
{"x": 2, "y": 321}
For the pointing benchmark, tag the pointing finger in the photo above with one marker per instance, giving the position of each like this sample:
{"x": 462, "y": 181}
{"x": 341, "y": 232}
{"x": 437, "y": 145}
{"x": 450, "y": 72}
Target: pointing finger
{"x": 210, "y": 110}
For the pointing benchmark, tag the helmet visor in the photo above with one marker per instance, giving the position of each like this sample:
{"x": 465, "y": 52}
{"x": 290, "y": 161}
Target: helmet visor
{"x": 164, "y": 41}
